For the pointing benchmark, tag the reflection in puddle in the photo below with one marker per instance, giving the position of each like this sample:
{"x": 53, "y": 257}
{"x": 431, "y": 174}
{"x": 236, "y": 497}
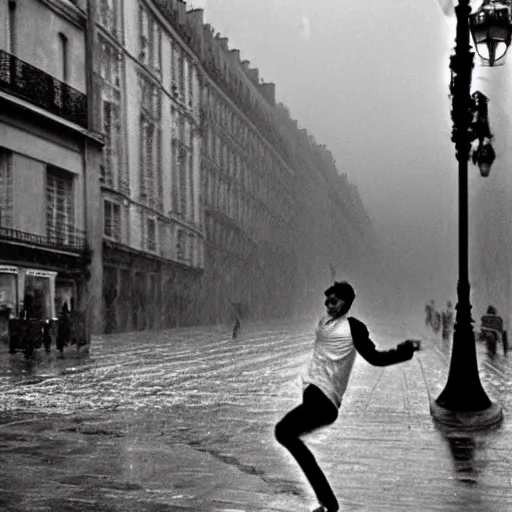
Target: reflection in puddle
{"x": 467, "y": 451}
{"x": 463, "y": 455}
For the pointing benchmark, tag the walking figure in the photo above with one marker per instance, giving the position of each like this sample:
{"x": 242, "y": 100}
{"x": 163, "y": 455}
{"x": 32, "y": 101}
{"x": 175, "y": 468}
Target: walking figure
{"x": 237, "y": 314}
{"x": 429, "y": 312}
{"x": 447, "y": 321}
{"x": 338, "y": 338}
{"x": 492, "y": 331}
{"x": 436, "y": 322}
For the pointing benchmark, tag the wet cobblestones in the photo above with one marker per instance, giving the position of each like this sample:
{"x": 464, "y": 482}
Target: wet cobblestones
{"x": 183, "y": 420}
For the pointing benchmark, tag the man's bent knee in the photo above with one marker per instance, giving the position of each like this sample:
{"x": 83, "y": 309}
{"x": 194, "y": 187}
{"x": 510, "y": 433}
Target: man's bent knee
{"x": 281, "y": 433}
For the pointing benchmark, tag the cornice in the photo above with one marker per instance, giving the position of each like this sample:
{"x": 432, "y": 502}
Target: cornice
{"x": 67, "y": 10}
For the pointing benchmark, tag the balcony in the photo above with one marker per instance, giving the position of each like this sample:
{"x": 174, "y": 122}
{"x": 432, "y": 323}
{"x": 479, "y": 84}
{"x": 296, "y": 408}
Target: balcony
{"x": 65, "y": 238}
{"x": 41, "y": 89}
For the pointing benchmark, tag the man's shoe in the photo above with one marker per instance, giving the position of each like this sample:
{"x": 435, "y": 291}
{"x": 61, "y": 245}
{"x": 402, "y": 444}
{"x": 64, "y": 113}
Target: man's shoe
{"x": 321, "y": 508}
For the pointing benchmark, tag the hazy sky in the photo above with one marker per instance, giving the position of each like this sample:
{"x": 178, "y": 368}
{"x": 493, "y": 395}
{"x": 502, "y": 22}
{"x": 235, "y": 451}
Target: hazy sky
{"x": 369, "y": 80}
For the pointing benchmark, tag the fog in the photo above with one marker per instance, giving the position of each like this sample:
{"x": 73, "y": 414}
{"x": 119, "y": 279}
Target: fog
{"x": 370, "y": 80}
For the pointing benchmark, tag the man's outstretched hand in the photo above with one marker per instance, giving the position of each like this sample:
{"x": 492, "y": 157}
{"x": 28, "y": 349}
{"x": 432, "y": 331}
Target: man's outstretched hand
{"x": 411, "y": 345}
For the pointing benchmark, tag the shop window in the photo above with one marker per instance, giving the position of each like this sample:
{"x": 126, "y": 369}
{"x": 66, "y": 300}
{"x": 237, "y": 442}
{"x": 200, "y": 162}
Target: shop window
{"x": 8, "y": 294}
{"x": 37, "y": 298}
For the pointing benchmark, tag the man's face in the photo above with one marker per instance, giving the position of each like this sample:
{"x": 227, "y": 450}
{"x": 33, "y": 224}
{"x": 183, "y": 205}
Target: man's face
{"x": 334, "y": 305}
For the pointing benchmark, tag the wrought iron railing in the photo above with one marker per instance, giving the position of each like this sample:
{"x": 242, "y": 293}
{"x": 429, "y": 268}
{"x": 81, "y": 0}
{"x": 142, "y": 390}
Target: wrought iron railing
{"x": 21, "y": 79}
{"x": 64, "y": 238}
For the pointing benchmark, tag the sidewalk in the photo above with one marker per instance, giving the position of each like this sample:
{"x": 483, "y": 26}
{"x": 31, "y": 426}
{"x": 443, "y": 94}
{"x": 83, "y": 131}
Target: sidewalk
{"x": 218, "y": 454}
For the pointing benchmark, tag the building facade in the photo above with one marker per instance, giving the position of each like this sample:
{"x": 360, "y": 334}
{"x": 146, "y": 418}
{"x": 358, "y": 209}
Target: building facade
{"x": 211, "y": 193}
{"x": 148, "y": 178}
{"x": 148, "y": 107}
{"x": 248, "y": 189}
{"x": 49, "y": 164}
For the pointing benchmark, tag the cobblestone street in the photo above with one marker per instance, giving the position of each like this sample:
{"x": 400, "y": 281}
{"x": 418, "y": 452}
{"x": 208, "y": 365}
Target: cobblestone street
{"x": 183, "y": 420}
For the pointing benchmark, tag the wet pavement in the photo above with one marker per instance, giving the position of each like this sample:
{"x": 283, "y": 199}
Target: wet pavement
{"x": 183, "y": 420}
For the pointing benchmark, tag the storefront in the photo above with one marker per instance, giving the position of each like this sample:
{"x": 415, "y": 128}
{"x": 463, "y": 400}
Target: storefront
{"x": 9, "y": 293}
{"x": 34, "y": 294}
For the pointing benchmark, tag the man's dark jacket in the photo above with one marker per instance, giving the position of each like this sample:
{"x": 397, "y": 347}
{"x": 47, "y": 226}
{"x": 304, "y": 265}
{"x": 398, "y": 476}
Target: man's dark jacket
{"x": 365, "y": 346}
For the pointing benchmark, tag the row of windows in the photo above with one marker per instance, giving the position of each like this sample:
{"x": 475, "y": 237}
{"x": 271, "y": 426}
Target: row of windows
{"x": 183, "y": 72}
{"x": 183, "y": 80}
{"x": 223, "y": 114}
{"x": 224, "y": 197}
{"x": 157, "y": 236}
{"x": 242, "y": 170}
{"x": 230, "y": 158}
{"x": 221, "y": 236}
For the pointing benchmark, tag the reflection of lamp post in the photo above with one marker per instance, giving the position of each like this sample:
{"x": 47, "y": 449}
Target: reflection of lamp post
{"x": 463, "y": 403}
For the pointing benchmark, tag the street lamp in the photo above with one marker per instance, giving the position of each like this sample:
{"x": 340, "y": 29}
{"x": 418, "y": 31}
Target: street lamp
{"x": 463, "y": 404}
{"x": 490, "y": 27}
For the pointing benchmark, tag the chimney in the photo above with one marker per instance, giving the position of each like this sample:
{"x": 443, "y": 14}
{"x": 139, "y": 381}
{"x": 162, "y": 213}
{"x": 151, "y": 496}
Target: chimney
{"x": 194, "y": 20}
{"x": 253, "y": 74}
{"x": 223, "y": 42}
{"x": 208, "y": 32}
{"x": 182, "y": 9}
{"x": 268, "y": 91}
{"x": 195, "y": 17}
{"x": 235, "y": 54}
{"x": 245, "y": 66}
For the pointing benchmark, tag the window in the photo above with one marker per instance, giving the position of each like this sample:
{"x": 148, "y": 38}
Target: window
{"x": 150, "y": 167}
{"x": 112, "y": 149}
{"x": 109, "y": 63}
{"x": 109, "y": 70}
{"x": 181, "y": 76}
{"x": 150, "y": 40}
{"x": 6, "y": 189}
{"x": 108, "y": 16}
{"x": 151, "y": 240}
{"x": 191, "y": 249}
{"x": 60, "y": 221}
{"x": 190, "y": 79}
{"x": 11, "y": 34}
{"x": 63, "y": 57}
{"x": 180, "y": 245}
{"x": 191, "y": 185}
{"x": 112, "y": 220}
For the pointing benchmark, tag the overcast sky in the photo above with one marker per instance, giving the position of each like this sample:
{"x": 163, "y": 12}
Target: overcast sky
{"x": 369, "y": 80}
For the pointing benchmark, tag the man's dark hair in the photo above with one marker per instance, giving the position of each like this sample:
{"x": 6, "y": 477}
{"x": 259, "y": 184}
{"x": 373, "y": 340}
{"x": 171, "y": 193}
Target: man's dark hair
{"x": 491, "y": 310}
{"x": 342, "y": 290}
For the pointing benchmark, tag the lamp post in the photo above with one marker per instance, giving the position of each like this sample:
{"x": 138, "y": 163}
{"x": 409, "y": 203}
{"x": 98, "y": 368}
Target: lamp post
{"x": 463, "y": 404}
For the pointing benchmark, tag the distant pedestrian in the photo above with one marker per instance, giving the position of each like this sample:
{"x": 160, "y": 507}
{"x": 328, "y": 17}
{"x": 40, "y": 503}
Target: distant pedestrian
{"x": 338, "y": 337}
{"x": 237, "y": 309}
{"x": 492, "y": 330}
{"x": 447, "y": 321}
{"x": 436, "y": 322}
{"x": 429, "y": 311}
